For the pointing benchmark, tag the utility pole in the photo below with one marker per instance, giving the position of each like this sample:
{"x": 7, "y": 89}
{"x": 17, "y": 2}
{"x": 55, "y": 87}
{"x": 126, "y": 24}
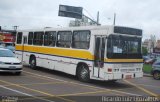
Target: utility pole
{"x": 98, "y": 18}
{"x": 15, "y": 28}
{"x": 91, "y": 19}
{"x": 114, "y": 21}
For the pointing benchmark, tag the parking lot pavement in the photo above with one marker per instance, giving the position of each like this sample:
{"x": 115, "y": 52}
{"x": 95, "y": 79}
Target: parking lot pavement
{"x": 45, "y": 85}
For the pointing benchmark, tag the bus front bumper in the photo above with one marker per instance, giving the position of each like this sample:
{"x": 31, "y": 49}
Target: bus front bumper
{"x": 117, "y": 76}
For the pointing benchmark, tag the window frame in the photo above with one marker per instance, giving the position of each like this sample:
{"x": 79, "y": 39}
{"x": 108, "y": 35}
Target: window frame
{"x": 25, "y": 40}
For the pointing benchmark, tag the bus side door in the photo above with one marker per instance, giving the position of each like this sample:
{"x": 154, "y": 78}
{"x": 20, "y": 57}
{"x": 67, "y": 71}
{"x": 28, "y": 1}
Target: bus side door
{"x": 99, "y": 51}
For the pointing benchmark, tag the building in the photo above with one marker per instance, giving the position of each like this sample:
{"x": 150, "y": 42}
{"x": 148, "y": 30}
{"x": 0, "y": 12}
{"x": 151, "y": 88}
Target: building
{"x": 158, "y": 44}
{"x": 148, "y": 44}
{"x": 81, "y": 22}
{"x": 152, "y": 46}
{"x": 7, "y": 36}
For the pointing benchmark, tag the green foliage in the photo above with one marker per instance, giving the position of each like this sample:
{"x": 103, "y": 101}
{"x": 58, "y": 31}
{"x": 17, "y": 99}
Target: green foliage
{"x": 147, "y": 68}
{"x": 144, "y": 51}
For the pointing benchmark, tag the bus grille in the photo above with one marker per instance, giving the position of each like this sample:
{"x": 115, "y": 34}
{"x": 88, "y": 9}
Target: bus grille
{"x": 13, "y": 63}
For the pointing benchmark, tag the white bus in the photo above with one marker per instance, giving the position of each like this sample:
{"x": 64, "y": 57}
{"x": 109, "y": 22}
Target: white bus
{"x": 90, "y": 52}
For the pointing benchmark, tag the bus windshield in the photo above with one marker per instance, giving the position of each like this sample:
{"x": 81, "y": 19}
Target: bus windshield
{"x": 123, "y": 47}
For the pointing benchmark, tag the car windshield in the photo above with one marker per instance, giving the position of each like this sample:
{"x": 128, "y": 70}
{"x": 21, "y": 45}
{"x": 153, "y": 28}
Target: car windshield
{"x": 6, "y": 53}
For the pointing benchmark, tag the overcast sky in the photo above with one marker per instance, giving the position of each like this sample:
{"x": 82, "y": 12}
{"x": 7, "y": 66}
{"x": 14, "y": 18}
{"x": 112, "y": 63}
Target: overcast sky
{"x": 143, "y": 14}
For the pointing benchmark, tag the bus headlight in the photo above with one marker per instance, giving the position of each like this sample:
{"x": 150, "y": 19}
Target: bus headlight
{"x": 138, "y": 69}
{"x": 116, "y": 70}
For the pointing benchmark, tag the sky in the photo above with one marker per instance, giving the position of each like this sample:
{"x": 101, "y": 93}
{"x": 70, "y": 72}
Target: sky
{"x": 26, "y": 14}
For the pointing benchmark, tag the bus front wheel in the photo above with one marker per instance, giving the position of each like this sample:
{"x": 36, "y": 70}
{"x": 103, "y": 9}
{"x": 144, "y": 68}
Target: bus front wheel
{"x": 32, "y": 62}
{"x": 83, "y": 73}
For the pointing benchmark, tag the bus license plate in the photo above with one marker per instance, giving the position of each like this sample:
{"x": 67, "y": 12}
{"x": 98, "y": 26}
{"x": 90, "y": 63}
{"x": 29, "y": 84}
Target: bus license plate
{"x": 128, "y": 76}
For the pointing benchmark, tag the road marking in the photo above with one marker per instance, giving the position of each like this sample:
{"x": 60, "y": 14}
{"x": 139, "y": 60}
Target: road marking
{"x": 85, "y": 93}
{"x": 84, "y": 85}
{"x": 33, "y": 97}
{"x": 44, "y": 76}
{"x": 37, "y": 83}
{"x": 141, "y": 88}
{"x": 149, "y": 85}
{"x": 40, "y": 97}
{"x": 118, "y": 91}
{"x": 34, "y": 90}
{"x": 48, "y": 78}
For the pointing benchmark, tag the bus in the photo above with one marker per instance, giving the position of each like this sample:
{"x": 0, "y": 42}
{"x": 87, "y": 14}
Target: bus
{"x": 90, "y": 52}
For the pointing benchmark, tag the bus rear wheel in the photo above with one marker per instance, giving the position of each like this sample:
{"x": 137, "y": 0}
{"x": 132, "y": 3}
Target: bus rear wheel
{"x": 32, "y": 63}
{"x": 83, "y": 73}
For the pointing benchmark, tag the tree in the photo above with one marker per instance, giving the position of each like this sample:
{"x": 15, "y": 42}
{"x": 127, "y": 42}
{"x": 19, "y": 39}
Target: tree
{"x": 144, "y": 51}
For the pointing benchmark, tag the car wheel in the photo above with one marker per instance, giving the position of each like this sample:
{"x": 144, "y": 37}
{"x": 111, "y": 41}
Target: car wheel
{"x": 156, "y": 75}
{"x": 32, "y": 63}
{"x": 83, "y": 73}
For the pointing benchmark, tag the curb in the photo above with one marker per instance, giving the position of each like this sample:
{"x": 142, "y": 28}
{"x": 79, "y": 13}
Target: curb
{"x": 147, "y": 75}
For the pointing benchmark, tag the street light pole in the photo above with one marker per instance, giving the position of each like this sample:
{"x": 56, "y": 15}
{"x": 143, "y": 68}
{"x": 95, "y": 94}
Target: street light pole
{"x": 15, "y": 28}
{"x": 98, "y": 18}
{"x": 114, "y": 21}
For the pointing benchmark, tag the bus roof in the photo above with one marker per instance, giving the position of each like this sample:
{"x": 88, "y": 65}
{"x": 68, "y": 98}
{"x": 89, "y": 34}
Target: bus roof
{"x": 100, "y": 29}
{"x": 68, "y": 28}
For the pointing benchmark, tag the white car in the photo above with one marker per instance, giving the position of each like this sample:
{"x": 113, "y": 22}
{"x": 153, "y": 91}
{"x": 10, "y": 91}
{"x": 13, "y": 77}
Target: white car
{"x": 9, "y": 63}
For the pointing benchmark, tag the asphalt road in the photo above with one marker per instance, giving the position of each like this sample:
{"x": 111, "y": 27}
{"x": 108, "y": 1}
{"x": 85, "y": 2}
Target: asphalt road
{"x": 51, "y": 86}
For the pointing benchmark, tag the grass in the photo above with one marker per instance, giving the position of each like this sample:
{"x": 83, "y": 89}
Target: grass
{"x": 147, "y": 68}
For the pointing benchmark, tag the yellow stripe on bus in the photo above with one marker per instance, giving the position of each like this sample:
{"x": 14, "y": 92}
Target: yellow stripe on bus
{"x": 57, "y": 51}
{"x": 123, "y": 60}
{"x": 70, "y": 53}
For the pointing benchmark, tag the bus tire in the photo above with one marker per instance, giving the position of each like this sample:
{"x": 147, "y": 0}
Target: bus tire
{"x": 32, "y": 62}
{"x": 83, "y": 73}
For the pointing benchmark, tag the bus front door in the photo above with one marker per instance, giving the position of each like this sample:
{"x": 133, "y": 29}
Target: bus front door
{"x": 99, "y": 55}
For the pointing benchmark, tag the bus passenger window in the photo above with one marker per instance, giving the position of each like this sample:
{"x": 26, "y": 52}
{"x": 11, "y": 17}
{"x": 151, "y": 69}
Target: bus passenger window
{"x": 30, "y": 38}
{"x": 19, "y": 38}
{"x": 50, "y": 38}
{"x": 81, "y": 39}
{"x": 38, "y": 38}
{"x": 64, "y": 39}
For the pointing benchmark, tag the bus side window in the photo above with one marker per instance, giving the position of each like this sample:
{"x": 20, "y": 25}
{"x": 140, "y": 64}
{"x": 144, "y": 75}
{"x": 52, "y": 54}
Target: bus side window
{"x": 50, "y": 38}
{"x": 81, "y": 39}
{"x": 30, "y": 38}
{"x": 64, "y": 39}
{"x": 38, "y": 38}
{"x": 19, "y": 38}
